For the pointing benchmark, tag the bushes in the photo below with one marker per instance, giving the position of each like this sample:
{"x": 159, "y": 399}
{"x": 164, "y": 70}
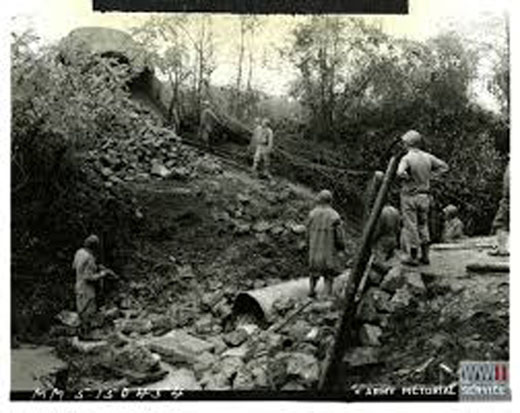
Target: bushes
{"x": 62, "y": 108}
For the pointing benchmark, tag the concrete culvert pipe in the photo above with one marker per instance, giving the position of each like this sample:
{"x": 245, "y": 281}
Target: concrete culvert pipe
{"x": 259, "y": 303}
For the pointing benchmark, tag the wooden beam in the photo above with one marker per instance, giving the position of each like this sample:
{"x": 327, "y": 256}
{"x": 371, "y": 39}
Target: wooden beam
{"x": 345, "y": 325}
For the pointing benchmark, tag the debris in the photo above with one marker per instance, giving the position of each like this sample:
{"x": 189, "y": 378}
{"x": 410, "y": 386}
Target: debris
{"x": 178, "y": 346}
{"x": 401, "y": 299}
{"x": 415, "y": 283}
{"x": 88, "y": 347}
{"x": 137, "y": 325}
{"x": 362, "y": 356}
{"x": 393, "y": 280}
{"x": 312, "y": 335}
{"x": 235, "y": 338}
{"x": 238, "y": 352}
{"x": 203, "y": 362}
{"x": 186, "y": 272}
{"x": 159, "y": 170}
{"x": 304, "y": 367}
{"x": 219, "y": 345}
{"x": 69, "y": 318}
{"x": 298, "y": 229}
{"x": 204, "y": 325}
{"x": 369, "y": 335}
{"x": 438, "y": 340}
{"x": 261, "y": 226}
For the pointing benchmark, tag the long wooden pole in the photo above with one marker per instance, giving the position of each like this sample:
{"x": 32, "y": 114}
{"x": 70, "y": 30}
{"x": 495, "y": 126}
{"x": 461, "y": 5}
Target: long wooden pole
{"x": 336, "y": 352}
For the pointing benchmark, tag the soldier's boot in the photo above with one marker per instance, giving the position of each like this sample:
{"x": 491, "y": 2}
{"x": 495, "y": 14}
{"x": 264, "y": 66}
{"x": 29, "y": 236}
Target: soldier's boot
{"x": 312, "y": 283}
{"x": 412, "y": 259}
{"x": 425, "y": 254}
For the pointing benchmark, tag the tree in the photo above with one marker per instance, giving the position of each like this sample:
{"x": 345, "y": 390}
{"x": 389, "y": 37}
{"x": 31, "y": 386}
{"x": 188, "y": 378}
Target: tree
{"x": 183, "y": 51}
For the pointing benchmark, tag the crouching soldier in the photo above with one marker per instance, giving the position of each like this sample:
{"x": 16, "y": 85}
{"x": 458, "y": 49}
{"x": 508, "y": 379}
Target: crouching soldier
{"x": 386, "y": 235}
{"x": 453, "y": 226}
{"x": 325, "y": 239}
{"x": 88, "y": 274}
{"x": 501, "y": 221}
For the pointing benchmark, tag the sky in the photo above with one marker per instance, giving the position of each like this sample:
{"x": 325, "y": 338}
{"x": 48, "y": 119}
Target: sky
{"x": 53, "y": 19}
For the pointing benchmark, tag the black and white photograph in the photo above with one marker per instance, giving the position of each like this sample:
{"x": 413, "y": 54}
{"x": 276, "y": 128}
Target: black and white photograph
{"x": 292, "y": 207}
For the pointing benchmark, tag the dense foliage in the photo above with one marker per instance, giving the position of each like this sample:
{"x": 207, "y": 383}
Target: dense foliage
{"x": 363, "y": 88}
{"x": 61, "y": 109}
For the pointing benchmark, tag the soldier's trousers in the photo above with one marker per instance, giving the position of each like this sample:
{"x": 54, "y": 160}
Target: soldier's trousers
{"x": 414, "y": 211}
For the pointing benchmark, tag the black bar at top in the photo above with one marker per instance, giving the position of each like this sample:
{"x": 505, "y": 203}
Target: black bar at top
{"x": 257, "y": 6}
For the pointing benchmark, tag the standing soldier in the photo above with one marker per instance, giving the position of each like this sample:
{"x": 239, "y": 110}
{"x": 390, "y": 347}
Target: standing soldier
{"x": 208, "y": 124}
{"x": 415, "y": 171}
{"x": 88, "y": 273}
{"x": 264, "y": 147}
{"x": 325, "y": 239}
{"x": 255, "y": 137}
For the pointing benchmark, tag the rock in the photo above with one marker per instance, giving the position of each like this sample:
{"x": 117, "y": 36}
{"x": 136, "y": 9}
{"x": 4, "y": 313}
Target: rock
{"x": 362, "y": 356}
{"x": 178, "y": 346}
{"x": 374, "y": 277}
{"x": 203, "y": 362}
{"x": 244, "y": 380}
{"x": 381, "y": 299}
{"x": 369, "y": 335}
{"x": 297, "y": 330}
{"x": 159, "y": 170}
{"x": 261, "y": 226}
{"x": 312, "y": 335}
{"x": 393, "y": 280}
{"x": 112, "y": 313}
{"x": 321, "y": 306}
{"x": 69, "y": 318}
{"x": 138, "y": 326}
{"x": 283, "y": 305}
{"x": 303, "y": 366}
{"x": 204, "y": 325}
{"x": 134, "y": 357}
{"x": 438, "y": 340}
{"x": 177, "y": 379}
{"x": 107, "y": 172}
{"x": 366, "y": 310}
{"x": 243, "y": 198}
{"x": 219, "y": 345}
{"x": 415, "y": 283}
{"x": 293, "y": 386}
{"x": 238, "y": 352}
{"x": 277, "y": 230}
{"x": 88, "y": 347}
{"x": 235, "y": 338}
{"x": 298, "y": 229}
{"x": 180, "y": 173}
{"x": 229, "y": 367}
{"x": 248, "y": 328}
{"x": 217, "y": 381}
{"x": 242, "y": 228}
{"x": 162, "y": 324}
{"x": 401, "y": 299}
{"x": 186, "y": 272}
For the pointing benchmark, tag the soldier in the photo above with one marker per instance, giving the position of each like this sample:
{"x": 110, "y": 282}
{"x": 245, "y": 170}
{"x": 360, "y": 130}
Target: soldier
{"x": 386, "y": 234}
{"x": 415, "y": 170}
{"x": 501, "y": 221}
{"x": 208, "y": 124}
{"x": 325, "y": 239}
{"x": 88, "y": 273}
{"x": 257, "y": 133}
{"x": 264, "y": 147}
{"x": 453, "y": 226}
